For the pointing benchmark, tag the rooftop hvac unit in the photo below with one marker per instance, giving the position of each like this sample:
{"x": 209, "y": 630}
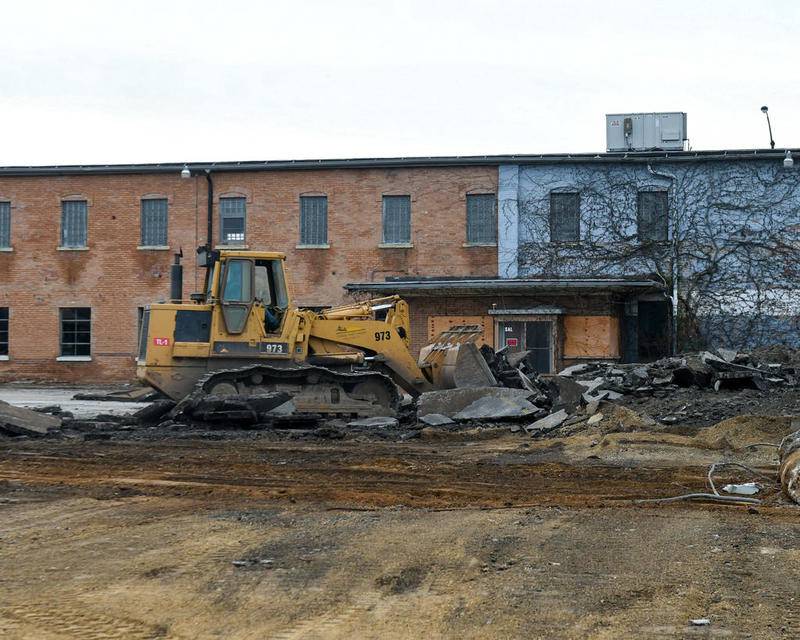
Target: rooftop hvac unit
{"x": 646, "y": 131}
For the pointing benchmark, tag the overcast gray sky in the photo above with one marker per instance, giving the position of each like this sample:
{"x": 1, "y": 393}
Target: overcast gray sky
{"x": 97, "y": 82}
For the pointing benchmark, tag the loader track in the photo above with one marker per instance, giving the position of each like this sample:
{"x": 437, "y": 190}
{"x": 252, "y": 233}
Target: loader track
{"x": 314, "y": 390}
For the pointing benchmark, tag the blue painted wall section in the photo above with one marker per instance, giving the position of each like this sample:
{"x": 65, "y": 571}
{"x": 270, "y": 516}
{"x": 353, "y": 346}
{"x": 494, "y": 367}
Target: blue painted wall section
{"x": 508, "y": 221}
{"x": 733, "y": 239}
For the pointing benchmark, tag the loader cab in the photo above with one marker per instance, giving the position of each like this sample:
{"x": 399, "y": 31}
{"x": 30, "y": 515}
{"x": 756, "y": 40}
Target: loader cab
{"x": 245, "y": 284}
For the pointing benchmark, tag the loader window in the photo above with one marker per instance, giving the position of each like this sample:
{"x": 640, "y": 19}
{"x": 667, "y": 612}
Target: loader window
{"x": 210, "y": 281}
{"x": 270, "y": 285}
{"x": 238, "y": 281}
{"x": 279, "y": 284}
{"x": 271, "y": 292}
{"x": 237, "y": 294}
{"x": 263, "y": 290}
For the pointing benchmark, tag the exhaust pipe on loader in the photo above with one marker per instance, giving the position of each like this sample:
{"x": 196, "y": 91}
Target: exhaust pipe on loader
{"x": 176, "y": 279}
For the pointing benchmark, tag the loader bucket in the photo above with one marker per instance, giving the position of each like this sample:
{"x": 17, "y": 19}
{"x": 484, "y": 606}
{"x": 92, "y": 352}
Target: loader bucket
{"x": 454, "y": 360}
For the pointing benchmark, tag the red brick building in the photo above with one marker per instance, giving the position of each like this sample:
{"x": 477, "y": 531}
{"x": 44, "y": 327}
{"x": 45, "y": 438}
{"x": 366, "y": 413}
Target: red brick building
{"x": 83, "y": 249}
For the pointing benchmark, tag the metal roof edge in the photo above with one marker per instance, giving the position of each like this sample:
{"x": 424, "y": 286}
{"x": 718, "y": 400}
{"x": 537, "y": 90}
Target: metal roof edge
{"x": 508, "y": 283}
{"x": 416, "y": 161}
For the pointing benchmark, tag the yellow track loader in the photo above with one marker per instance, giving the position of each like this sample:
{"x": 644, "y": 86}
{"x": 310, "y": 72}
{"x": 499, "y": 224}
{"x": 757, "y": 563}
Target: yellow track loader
{"x": 243, "y": 337}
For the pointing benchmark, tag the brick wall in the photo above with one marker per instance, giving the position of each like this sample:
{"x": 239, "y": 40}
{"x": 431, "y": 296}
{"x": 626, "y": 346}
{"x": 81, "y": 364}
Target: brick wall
{"x": 113, "y": 277}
